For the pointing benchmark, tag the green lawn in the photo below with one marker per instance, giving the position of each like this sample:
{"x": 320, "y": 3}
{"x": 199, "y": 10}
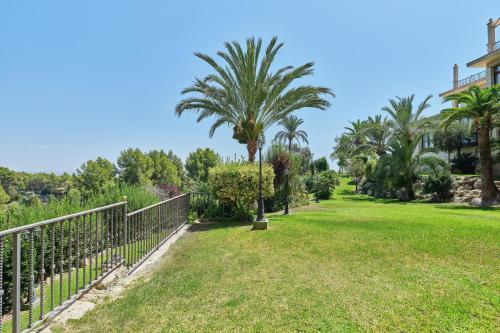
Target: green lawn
{"x": 348, "y": 264}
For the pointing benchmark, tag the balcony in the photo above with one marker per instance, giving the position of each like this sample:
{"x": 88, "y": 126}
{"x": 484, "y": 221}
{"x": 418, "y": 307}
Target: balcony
{"x": 478, "y": 78}
{"x": 489, "y": 59}
{"x": 473, "y": 78}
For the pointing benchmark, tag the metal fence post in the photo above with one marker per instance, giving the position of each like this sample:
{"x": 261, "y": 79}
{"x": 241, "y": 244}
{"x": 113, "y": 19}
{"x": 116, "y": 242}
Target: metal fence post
{"x": 16, "y": 282}
{"x": 125, "y": 233}
{"x": 177, "y": 215}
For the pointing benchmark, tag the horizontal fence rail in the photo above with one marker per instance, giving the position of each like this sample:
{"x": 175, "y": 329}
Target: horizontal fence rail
{"x": 150, "y": 227}
{"x": 46, "y": 266}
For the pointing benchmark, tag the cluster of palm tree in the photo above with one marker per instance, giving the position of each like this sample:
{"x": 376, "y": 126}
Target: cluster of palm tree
{"x": 247, "y": 95}
{"x": 392, "y": 140}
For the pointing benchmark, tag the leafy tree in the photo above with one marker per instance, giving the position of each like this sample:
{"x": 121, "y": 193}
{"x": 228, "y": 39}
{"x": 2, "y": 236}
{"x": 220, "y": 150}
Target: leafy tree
{"x": 94, "y": 175}
{"x": 135, "y": 167}
{"x": 454, "y": 138}
{"x": 200, "y": 161}
{"x": 179, "y": 165}
{"x": 4, "y": 198}
{"x": 355, "y": 169}
{"x": 343, "y": 150}
{"x": 244, "y": 93}
{"x": 481, "y": 106}
{"x": 321, "y": 164}
{"x": 305, "y": 159}
{"x": 164, "y": 170}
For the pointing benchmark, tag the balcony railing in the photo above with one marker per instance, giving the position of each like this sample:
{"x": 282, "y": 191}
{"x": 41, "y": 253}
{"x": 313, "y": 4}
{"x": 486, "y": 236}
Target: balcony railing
{"x": 472, "y": 78}
{"x": 496, "y": 46}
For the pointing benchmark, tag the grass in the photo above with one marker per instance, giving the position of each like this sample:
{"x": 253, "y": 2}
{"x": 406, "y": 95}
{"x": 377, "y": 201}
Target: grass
{"x": 349, "y": 264}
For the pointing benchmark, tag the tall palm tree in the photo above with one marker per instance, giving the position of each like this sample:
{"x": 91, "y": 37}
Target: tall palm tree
{"x": 244, "y": 93}
{"x": 407, "y": 122}
{"x": 290, "y": 132}
{"x": 482, "y": 106}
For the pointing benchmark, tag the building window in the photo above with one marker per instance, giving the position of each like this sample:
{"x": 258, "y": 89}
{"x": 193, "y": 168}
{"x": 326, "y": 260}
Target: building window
{"x": 427, "y": 141}
{"x": 496, "y": 74}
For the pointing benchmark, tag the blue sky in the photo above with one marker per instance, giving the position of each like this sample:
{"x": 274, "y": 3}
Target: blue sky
{"x": 81, "y": 79}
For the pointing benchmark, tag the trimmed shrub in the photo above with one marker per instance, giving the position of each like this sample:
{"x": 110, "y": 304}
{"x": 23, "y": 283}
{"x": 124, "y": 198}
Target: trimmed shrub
{"x": 237, "y": 185}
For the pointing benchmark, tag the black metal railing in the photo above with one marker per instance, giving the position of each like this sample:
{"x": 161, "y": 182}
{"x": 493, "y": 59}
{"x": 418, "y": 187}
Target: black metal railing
{"x": 150, "y": 227}
{"x": 472, "y": 79}
{"x": 45, "y": 266}
{"x": 496, "y": 46}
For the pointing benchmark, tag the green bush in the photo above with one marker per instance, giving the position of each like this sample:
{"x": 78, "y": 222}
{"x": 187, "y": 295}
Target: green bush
{"x": 440, "y": 184}
{"x": 237, "y": 185}
{"x": 327, "y": 181}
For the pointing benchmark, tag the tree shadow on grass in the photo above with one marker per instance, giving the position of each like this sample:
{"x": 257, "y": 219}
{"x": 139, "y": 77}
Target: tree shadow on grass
{"x": 218, "y": 224}
{"x": 463, "y": 207}
{"x": 366, "y": 198}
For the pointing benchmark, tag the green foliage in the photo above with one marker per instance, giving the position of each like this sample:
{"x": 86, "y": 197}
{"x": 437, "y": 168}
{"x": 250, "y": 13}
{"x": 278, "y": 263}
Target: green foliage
{"x": 464, "y": 163}
{"x": 277, "y": 157}
{"x": 94, "y": 175}
{"x": 238, "y": 186}
{"x": 4, "y": 197}
{"x": 179, "y": 165}
{"x": 290, "y": 132}
{"x": 327, "y": 181}
{"x": 246, "y": 94}
{"x": 355, "y": 169}
{"x": 22, "y": 214}
{"x": 440, "y": 184}
{"x": 135, "y": 167}
{"x": 321, "y": 164}
{"x": 164, "y": 170}
{"x": 482, "y": 107}
{"x": 199, "y": 163}
{"x": 370, "y": 167}
{"x": 454, "y": 138}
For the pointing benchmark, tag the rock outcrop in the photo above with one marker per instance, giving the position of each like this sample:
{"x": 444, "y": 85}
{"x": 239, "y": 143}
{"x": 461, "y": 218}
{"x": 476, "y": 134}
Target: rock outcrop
{"x": 467, "y": 189}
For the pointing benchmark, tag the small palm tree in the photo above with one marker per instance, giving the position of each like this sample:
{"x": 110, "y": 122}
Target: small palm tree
{"x": 378, "y": 133}
{"x": 482, "y": 106}
{"x": 290, "y": 132}
{"x": 407, "y": 122}
{"x": 356, "y": 132}
{"x": 403, "y": 165}
{"x": 245, "y": 94}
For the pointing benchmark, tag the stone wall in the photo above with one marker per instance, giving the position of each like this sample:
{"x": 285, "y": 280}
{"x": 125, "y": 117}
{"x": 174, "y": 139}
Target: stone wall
{"x": 468, "y": 188}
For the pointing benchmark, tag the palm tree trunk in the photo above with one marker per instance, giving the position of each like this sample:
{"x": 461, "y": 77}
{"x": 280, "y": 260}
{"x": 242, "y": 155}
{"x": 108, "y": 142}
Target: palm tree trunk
{"x": 252, "y": 150}
{"x": 489, "y": 190}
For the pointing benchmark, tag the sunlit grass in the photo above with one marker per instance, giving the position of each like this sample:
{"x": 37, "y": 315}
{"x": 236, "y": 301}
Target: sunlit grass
{"x": 352, "y": 263}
